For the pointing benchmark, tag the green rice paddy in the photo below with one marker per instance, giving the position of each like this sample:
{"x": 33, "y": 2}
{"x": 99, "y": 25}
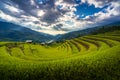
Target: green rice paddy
{"x": 92, "y": 57}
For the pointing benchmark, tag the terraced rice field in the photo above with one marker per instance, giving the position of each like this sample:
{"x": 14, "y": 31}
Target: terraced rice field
{"x": 93, "y": 57}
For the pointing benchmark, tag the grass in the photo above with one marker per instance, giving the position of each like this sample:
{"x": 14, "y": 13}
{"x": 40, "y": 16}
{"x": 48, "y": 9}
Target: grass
{"x": 93, "y": 57}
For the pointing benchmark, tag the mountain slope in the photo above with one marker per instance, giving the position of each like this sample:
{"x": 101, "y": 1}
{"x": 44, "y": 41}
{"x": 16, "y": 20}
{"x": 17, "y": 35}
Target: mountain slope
{"x": 94, "y": 30}
{"x": 93, "y": 57}
{"x": 12, "y": 32}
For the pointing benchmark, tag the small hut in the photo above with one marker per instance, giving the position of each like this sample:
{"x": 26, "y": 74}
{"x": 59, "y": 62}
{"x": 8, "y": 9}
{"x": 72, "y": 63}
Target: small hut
{"x": 29, "y": 41}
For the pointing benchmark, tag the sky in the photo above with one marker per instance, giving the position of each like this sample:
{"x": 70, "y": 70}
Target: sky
{"x": 59, "y": 16}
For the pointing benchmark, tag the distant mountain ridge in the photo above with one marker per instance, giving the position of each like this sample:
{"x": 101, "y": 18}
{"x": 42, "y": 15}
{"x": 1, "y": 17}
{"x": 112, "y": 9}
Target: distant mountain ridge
{"x": 94, "y": 30}
{"x": 13, "y": 32}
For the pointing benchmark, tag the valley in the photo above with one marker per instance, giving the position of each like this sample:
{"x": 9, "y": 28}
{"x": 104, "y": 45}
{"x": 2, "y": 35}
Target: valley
{"x": 90, "y": 57}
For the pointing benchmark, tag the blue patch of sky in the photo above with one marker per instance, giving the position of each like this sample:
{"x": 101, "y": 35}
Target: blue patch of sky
{"x": 59, "y": 7}
{"x": 77, "y": 1}
{"x": 85, "y": 9}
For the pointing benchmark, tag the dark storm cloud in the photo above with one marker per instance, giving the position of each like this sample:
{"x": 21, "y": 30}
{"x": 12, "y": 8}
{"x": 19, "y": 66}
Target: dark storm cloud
{"x": 31, "y": 7}
{"x": 69, "y": 1}
{"x": 26, "y": 6}
{"x": 52, "y": 13}
{"x": 59, "y": 27}
{"x": 5, "y": 4}
{"x": 46, "y": 5}
{"x": 50, "y": 16}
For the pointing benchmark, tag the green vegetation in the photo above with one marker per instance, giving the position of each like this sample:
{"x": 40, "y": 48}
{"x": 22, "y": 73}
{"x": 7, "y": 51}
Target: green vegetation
{"x": 92, "y": 57}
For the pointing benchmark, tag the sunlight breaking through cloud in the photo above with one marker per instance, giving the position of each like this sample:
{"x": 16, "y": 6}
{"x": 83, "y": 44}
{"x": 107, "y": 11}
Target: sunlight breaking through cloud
{"x": 59, "y": 16}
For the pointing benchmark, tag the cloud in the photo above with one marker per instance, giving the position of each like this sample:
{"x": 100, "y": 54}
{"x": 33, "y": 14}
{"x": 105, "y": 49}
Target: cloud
{"x": 57, "y": 16}
{"x": 98, "y": 3}
{"x": 107, "y": 15}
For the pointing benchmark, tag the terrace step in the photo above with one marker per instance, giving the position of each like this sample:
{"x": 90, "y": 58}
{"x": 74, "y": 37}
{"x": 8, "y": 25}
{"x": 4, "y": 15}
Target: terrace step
{"x": 90, "y": 45}
{"x": 73, "y": 47}
{"x": 111, "y": 40}
{"x": 115, "y": 38}
{"x": 102, "y": 45}
{"x": 83, "y": 45}
{"x": 109, "y": 43}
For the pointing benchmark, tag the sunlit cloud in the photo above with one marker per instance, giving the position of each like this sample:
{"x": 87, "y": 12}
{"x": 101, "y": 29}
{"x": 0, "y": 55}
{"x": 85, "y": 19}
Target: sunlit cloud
{"x": 59, "y": 16}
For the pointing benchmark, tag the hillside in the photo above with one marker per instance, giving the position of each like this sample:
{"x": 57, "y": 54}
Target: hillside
{"x": 12, "y": 32}
{"x": 94, "y": 30}
{"x": 92, "y": 57}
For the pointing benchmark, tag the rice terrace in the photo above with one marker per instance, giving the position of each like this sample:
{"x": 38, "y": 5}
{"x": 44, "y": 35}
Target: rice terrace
{"x": 59, "y": 39}
{"x": 84, "y": 58}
